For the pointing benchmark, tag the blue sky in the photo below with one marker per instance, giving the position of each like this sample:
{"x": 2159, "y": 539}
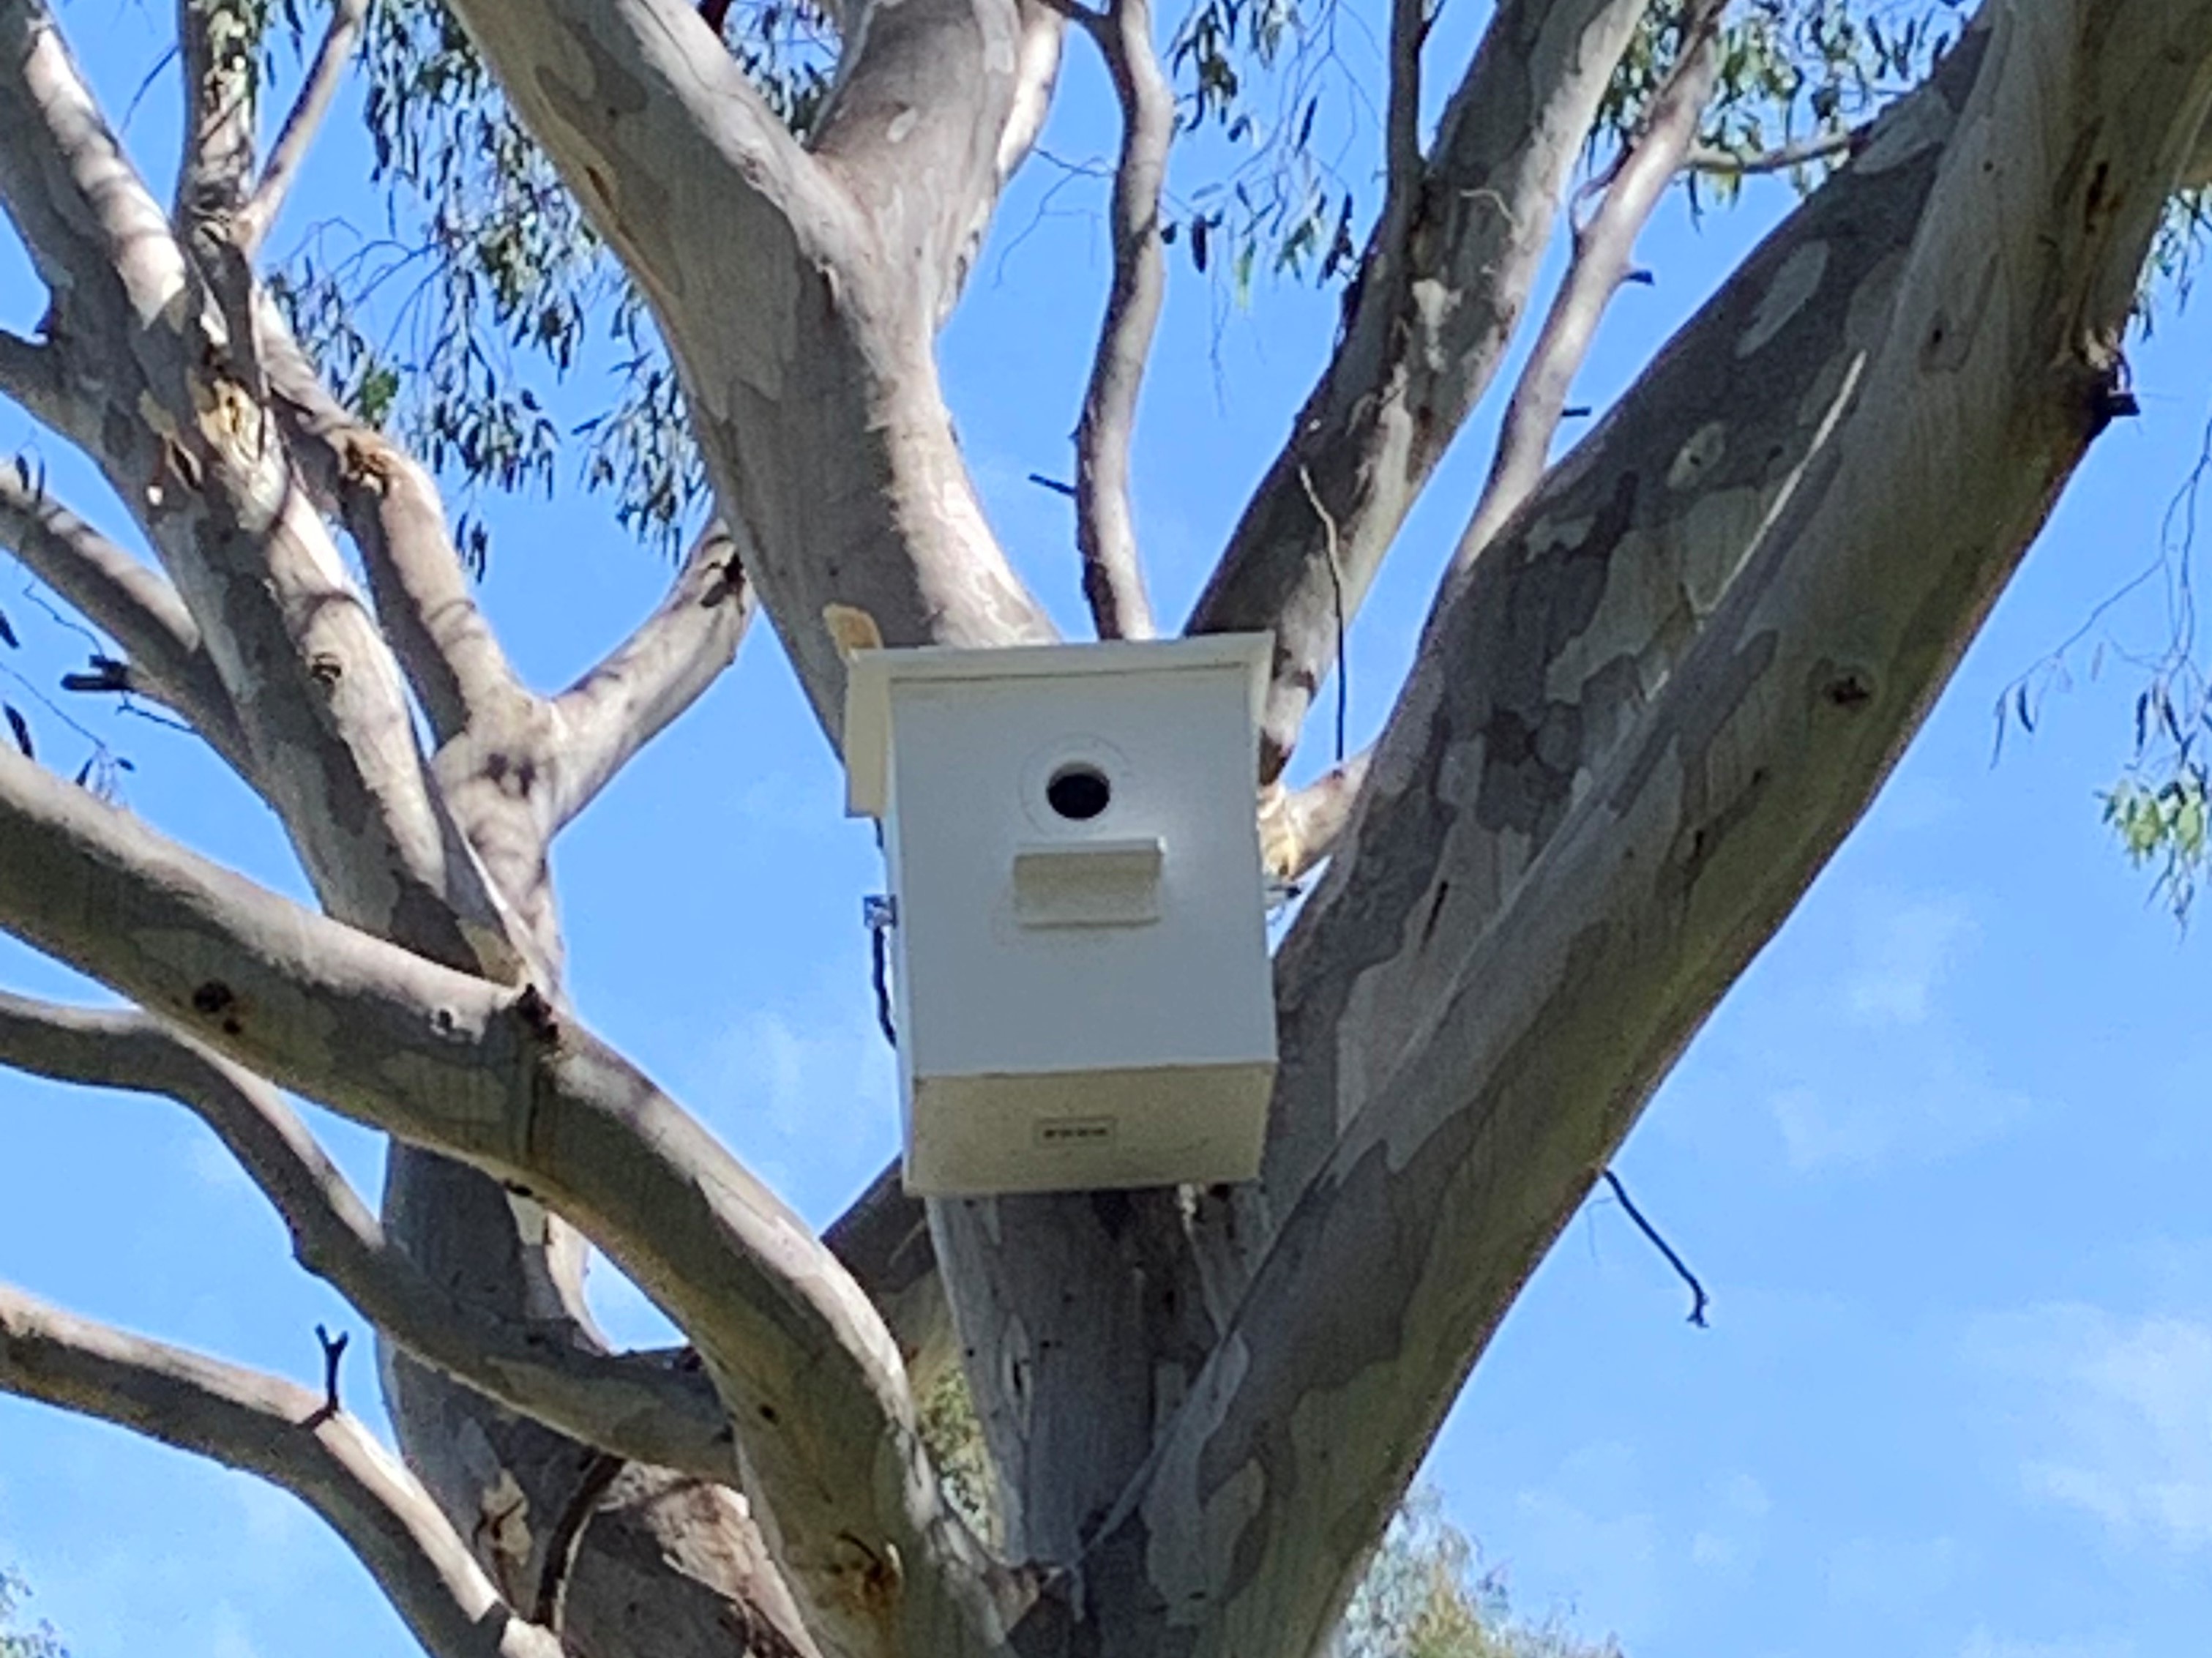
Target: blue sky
{"x": 1940, "y": 1156}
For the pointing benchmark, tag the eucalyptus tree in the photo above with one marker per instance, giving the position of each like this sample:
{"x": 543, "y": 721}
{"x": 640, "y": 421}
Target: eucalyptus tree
{"x": 1661, "y": 679}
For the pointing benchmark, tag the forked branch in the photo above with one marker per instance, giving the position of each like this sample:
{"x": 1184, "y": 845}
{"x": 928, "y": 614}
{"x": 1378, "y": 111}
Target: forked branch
{"x": 635, "y": 1407}
{"x": 283, "y": 1432}
{"x": 1758, "y": 634}
{"x": 1438, "y": 295}
{"x": 507, "y": 1082}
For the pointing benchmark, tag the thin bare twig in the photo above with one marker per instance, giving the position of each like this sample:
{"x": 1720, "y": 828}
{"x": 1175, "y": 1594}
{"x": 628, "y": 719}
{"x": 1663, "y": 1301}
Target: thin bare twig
{"x": 297, "y": 137}
{"x": 1603, "y": 248}
{"x": 1105, "y": 521}
{"x": 1803, "y": 152}
{"x": 130, "y": 601}
{"x": 334, "y": 1348}
{"x": 1699, "y": 1300}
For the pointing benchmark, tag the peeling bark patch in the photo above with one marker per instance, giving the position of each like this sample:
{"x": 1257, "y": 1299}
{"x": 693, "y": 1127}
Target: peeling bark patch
{"x": 1726, "y": 683}
{"x": 597, "y": 112}
{"x": 1700, "y": 453}
{"x": 1377, "y": 1213}
{"x": 1794, "y": 286}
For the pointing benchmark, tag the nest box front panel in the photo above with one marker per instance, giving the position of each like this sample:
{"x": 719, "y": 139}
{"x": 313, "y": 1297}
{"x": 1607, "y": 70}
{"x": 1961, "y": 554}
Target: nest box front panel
{"x": 1078, "y": 873}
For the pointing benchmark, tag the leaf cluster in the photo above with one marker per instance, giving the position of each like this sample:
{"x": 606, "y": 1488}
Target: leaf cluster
{"x": 1423, "y": 1597}
{"x": 486, "y": 299}
{"x": 1795, "y": 75}
{"x": 39, "y": 1639}
{"x": 2161, "y": 809}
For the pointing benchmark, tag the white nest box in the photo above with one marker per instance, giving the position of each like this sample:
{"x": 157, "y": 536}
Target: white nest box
{"x": 1083, "y": 996}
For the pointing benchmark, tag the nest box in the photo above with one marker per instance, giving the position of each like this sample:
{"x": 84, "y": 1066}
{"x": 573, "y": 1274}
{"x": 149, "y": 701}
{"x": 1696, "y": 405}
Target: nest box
{"x": 1083, "y": 995}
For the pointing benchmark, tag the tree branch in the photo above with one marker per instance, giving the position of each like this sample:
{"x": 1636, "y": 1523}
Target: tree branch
{"x": 1438, "y": 297}
{"x": 505, "y": 1081}
{"x": 392, "y": 509}
{"x": 1599, "y": 266}
{"x": 281, "y": 1431}
{"x": 1105, "y": 520}
{"x": 31, "y": 376}
{"x": 131, "y": 603}
{"x": 1301, "y": 828}
{"x": 215, "y": 44}
{"x": 88, "y": 221}
{"x": 1036, "y": 76}
{"x": 1782, "y": 159}
{"x": 883, "y": 1240}
{"x": 917, "y": 129}
{"x": 1491, "y": 1056}
{"x": 824, "y": 328}
{"x": 632, "y": 1406}
{"x": 187, "y": 443}
{"x": 653, "y": 676}
{"x": 302, "y": 125}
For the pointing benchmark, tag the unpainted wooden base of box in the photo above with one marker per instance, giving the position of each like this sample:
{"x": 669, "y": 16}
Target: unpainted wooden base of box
{"x": 1087, "y": 1130}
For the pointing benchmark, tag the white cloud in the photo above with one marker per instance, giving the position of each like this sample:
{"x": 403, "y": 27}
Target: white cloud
{"x": 230, "y": 1639}
{"x": 1735, "y": 1530}
{"x": 806, "y": 1093}
{"x": 2112, "y": 1416}
{"x": 1868, "y": 1071}
{"x": 1904, "y": 951}
{"x": 1948, "y": 1104}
